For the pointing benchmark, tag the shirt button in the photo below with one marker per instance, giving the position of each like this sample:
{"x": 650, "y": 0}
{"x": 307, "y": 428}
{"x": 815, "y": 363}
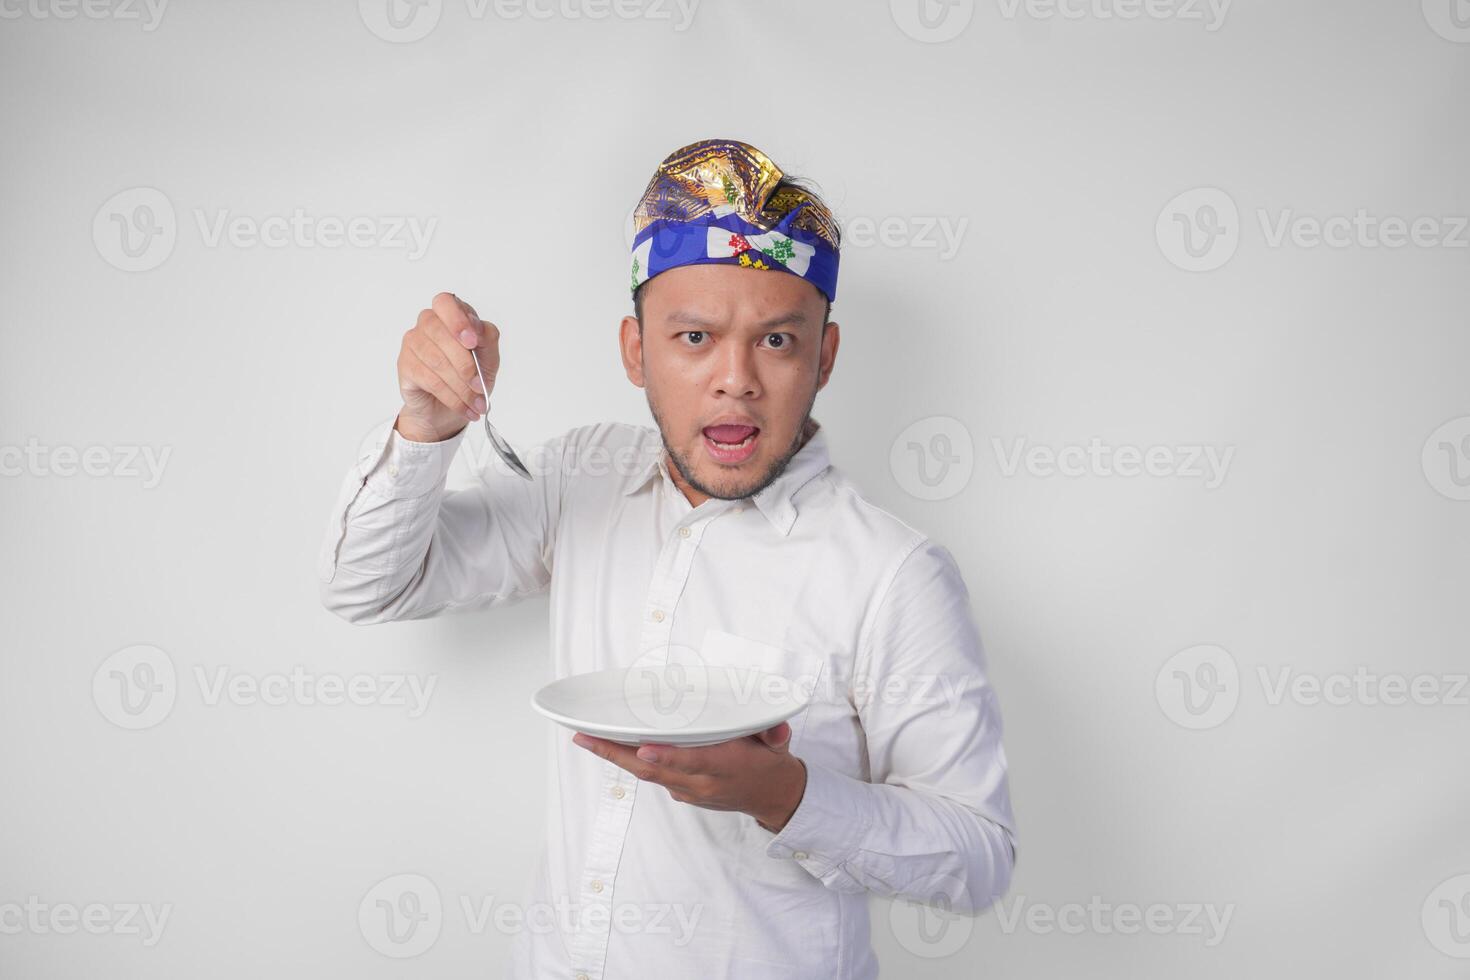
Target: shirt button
{"x": 392, "y": 469}
{"x": 619, "y": 792}
{"x": 800, "y": 855}
{"x": 683, "y": 532}
{"x": 581, "y": 976}
{"x": 597, "y": 884}
{"x": 658, "y": 615}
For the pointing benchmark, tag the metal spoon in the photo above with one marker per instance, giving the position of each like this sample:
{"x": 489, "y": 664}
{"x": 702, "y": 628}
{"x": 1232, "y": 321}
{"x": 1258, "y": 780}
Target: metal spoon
{"x": 501, "y": 446}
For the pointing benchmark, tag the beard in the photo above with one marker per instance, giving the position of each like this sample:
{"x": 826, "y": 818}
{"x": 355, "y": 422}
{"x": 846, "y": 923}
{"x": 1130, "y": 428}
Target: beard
{"x": 735, "y": 491}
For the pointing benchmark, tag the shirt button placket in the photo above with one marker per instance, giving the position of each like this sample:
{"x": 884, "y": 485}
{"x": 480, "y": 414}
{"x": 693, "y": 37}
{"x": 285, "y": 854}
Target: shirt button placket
{"x": 609, "y": 831}
{"x": 610, "y": 828}
{"x": 669, "y": 578}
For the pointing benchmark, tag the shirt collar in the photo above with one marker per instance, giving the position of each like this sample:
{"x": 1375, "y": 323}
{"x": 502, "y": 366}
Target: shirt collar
{"x": 810, "y": 461}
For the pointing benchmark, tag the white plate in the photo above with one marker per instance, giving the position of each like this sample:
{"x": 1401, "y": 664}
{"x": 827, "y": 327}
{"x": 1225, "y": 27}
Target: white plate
{"x": 672, "y": 705}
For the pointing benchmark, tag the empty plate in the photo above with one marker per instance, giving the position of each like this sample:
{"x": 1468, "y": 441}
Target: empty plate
{"x": 672, "y": 704}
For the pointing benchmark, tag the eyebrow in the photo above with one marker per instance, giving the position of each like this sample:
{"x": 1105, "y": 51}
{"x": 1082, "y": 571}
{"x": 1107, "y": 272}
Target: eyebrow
{"x": 794, "y": 318}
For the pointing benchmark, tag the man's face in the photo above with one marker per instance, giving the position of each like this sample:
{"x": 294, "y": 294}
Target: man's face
{"x": 731, "y": 360}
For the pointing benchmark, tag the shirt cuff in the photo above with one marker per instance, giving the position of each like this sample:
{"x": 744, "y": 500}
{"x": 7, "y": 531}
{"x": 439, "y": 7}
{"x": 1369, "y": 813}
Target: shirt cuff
{"x": 830, "y": 822}
{"x": 398, "y": 469}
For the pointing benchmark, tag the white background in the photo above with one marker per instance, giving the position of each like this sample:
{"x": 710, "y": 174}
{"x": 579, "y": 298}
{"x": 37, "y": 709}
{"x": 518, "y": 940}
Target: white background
{"x": 1057, "y": 140}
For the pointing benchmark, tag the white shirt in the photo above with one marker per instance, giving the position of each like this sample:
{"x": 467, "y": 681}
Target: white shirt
{"x": 906, "y": 791}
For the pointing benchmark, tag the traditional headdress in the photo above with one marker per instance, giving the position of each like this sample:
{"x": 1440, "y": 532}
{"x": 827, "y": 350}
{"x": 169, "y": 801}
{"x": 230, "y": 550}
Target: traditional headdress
{"x": 722, "y": 201}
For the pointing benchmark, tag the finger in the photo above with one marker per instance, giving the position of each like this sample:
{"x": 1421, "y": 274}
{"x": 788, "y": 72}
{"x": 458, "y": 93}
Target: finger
{"x": 777, "y": 738}
{"x": 488, "y": 340}
{"x": 459, "y": 317}
{"x": 689, "y": 761}
{"x": 430, "y": 380}
{"x": 458, "y": 358}
{"x": 622, "y": 756}
{"x": 431, "y": 339}
{"x": 468, "y": 329}
{"x": 435, "y": 360}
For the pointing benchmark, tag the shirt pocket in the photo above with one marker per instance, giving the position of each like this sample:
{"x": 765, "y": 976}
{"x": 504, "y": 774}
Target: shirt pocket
{"x": 801, "y": 669}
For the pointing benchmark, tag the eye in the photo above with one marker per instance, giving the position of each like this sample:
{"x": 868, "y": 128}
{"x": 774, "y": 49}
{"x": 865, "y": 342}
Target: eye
{"x": 694, "y": 337}
{"x": 778, "y": 341}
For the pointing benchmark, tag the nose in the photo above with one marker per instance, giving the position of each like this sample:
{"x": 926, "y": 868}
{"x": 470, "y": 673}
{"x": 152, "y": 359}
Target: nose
{"x": 735, "y": 373}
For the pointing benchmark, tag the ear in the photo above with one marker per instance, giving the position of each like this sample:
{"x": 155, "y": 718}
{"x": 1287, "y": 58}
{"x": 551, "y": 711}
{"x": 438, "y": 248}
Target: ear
{"x": 831, "y": 337}
{"x": 631, "y": 343}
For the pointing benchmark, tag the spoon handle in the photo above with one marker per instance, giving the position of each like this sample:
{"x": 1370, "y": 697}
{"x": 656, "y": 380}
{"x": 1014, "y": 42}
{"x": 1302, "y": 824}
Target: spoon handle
{"x": 500, "y": 445}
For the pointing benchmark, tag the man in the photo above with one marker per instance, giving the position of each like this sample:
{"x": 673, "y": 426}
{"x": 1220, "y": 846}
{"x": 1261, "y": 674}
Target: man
{"x": 726, "y": 535}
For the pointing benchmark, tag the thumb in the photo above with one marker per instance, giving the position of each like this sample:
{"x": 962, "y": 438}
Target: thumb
{"x": 777, "y": 738}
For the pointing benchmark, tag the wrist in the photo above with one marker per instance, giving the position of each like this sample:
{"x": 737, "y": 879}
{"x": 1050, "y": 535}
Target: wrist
{"x": 416, "y": 432}
{"x": 788, "y": 797}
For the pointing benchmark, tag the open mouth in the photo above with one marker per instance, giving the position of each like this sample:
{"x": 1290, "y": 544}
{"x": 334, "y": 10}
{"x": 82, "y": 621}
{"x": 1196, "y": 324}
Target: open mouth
{"x": 731, "y": 443}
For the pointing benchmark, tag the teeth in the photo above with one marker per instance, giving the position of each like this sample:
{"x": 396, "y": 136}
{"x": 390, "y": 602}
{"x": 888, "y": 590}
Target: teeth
{"x": 734, "y": 445}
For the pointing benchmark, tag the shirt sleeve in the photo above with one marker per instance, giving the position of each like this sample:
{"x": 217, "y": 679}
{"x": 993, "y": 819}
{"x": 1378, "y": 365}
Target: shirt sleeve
{"x": 400, "y": 546}
{"x": 934, "y": 821}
